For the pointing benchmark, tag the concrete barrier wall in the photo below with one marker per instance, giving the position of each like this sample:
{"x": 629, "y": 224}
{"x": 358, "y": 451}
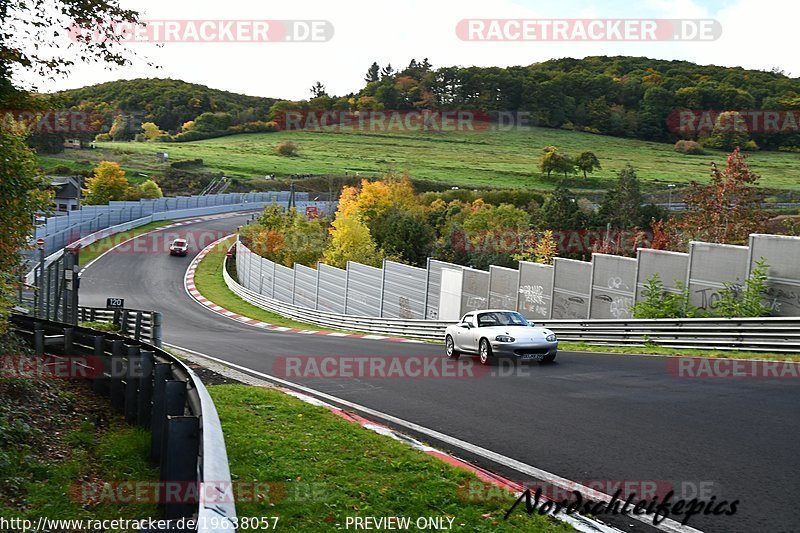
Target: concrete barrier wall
{"x": 711, "y": 266}
{"x": 606, "y": 288}
{"x": 404, "y": 291}
{"x": 535, "y": 290}
{"x": 613, "y": 286}
{"x": 782, "y": 254}
{"x": 571, "y": 288}
{"x": 672, "y": 269}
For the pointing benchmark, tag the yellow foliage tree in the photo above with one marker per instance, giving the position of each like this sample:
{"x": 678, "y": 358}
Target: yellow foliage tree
{"x": 151, "y": 131}
{"x": 108, "y": 183}
{"x": 543, "y": 250}
{"x": 149, "y": 190}
{"x": 351, "y": 241}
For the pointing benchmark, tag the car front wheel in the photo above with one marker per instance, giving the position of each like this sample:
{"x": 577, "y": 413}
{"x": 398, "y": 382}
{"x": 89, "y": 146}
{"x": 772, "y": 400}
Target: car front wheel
{"x": 485, "y": 352}
{"x": 450, "y": 348}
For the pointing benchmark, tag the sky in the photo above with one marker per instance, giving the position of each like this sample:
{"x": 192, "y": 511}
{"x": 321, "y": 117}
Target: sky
{"x": 759, "y": 34}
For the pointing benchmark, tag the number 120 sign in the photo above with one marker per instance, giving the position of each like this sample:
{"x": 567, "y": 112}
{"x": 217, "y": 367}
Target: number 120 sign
{"x": 115, "y": 303}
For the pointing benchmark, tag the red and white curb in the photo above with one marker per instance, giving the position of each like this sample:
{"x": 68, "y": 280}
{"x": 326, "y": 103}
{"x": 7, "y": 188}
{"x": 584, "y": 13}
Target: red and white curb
{"x": 577, "y": 521}
{"x": 191, "y": 289}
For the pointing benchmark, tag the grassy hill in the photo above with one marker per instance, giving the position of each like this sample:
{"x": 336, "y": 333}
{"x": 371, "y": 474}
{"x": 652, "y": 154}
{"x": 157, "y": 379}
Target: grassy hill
{"x": 474, "y": 159}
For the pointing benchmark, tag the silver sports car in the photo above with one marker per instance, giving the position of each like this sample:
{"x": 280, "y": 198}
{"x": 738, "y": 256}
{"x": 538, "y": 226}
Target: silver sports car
{"x": 499, "y": 333}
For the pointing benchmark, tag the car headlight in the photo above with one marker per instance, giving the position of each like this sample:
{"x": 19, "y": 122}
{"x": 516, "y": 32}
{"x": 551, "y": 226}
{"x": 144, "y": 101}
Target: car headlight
{"x": 504, "y": 338}
{"x": 551, "y": 337}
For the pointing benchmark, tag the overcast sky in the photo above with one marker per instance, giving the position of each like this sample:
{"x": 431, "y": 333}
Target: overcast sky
{"x": 758, "y": 34}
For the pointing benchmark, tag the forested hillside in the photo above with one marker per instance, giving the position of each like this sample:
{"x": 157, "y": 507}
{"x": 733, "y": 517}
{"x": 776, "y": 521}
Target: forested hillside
{"x": 633, "y": 97}
{"x": 166, "y": 102}
{"x": 623, "y": 96}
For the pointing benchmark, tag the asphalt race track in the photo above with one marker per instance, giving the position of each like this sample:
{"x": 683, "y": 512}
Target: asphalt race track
{"x": 586, "y": 417}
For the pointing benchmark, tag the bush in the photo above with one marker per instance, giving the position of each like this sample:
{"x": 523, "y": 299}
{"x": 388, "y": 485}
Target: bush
{"x": 187, "y": 163}
{"x": 689, "y": 147}
{"x": 737, "y": 301}
{"x": 255, "y": 127}
{"x": 287, "y": 149}
{"x": 62, "y": 170}
{"x": 750, "y": 146}
{"x": 103, "y": 137}
{"x": 659, "y": 303}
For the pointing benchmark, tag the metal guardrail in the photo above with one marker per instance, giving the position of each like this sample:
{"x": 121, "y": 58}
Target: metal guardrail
{"x": 141, "y": 325}
{"x": 145, "y": 326}
{"x": 751, "y": 334}
{"x": 155, "y": 390}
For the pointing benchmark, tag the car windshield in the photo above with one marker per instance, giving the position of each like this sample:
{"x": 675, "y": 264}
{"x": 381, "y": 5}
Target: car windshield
{"x": 501, "y": 318}
{"x": 179, "y": 243}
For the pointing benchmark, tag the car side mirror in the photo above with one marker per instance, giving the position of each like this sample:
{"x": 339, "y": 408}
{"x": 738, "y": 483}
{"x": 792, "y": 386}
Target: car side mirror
{"x": 466, "y": 325}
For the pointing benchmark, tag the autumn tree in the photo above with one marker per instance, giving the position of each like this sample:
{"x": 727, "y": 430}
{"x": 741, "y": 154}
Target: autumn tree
{"x": 149, "y": 190}
{"x": 286, "y": 237}
{"x": 363, "y": 214}
{"x": 124, "y": 127}
{"x": 726, "y": 210}
{"x": 351, "y": 241}
{"x": 540, "y": 250}
{"x": 552, "y": 160}
{"x": 547, "y": 161}
{"x": 151, "y": 131}
{"x": 587, "y": 162}
{"x": 108, "y": 183}
{"x": 730, "y": 132}
{"x": 492, "y": 234}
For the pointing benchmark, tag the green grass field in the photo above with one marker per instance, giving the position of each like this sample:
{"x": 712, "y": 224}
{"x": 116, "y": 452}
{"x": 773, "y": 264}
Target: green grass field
{"x": 466, "y": 159}
{"x": 321, "y": 469}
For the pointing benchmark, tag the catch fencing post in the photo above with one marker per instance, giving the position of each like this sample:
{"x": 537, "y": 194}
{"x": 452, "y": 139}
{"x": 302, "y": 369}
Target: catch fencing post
{"x": 99, "y": 383}
{"x": 116, "y": 386}
{"x": 162, "y": 372}
{"x": 179, "y": 464}
{"x": 156, "y": 321}
{"x": 132, "y": 383}
{"x": 144, "y": 406}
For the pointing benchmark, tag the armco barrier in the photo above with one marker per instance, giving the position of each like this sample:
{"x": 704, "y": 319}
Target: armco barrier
{"x": 165, "y": 396}
{"x": 753, "y": 334}
{"x": 140, "y": 325}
